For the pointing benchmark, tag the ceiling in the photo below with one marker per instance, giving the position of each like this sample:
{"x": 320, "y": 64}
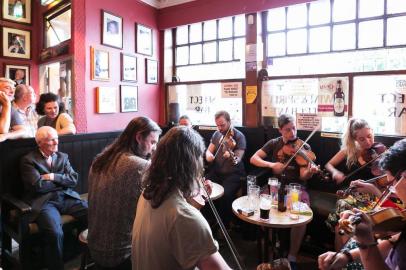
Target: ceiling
{"x": 165, "y": 3}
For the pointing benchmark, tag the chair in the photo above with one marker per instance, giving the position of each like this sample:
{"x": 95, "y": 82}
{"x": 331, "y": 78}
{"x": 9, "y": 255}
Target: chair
{"x": 15, "y": 212}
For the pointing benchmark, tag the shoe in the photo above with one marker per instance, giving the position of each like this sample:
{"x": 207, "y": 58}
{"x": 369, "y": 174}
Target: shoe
{"x": 293, "y": 265}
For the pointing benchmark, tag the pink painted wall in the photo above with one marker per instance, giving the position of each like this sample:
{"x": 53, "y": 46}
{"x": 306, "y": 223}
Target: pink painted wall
{"x": 203, "y": 10}
{"x": 148, "y": 94}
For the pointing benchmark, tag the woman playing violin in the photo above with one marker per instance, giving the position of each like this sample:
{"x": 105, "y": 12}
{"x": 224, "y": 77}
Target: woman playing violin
{"x": 387, "y": 254}
{"x": 357, "y": 139}
{"x": 293, "y": 172}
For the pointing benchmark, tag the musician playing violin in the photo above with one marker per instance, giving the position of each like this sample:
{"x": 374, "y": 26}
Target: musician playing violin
{"x": 225, "y": 152}
{"x": 293, "y": 172}
{"x": 387, "y": 254}
{"x": 357, "y": 138}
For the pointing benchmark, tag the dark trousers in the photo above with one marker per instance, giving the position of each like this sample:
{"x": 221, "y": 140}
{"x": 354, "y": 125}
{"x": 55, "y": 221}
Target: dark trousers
{"x": 125, "y": 265}
{"x": 231, "y": 184}
{"x": 50, "y": 225}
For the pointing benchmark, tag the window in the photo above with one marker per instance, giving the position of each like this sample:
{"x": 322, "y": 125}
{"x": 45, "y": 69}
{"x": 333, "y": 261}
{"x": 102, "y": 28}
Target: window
{"x": 335, "y": 25}
{"x": 58, "y": 25}
{"x": 210, "y": 42}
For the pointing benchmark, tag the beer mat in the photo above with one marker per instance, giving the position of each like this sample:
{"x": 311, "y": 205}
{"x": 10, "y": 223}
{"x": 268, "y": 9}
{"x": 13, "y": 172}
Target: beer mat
{"x": 301, "y": 208}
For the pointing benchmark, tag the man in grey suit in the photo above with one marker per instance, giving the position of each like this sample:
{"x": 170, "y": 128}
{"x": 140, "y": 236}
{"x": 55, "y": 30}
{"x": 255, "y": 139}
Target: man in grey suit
{"x": 48, "y": 181}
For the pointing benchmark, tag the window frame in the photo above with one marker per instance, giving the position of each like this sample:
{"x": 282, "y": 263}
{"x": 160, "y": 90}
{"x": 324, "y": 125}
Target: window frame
{"x": 51, "y": 14}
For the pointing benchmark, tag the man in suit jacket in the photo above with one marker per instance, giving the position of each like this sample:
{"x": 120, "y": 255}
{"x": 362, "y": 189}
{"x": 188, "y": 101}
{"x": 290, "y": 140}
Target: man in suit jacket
{"x": 48, "y": 181}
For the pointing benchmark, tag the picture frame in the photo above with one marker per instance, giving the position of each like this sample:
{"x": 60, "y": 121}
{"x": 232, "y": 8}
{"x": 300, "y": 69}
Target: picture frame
{"x": 17, "y": 11}
{"x": 18, "y": 73}
{"x": 100, "y": 64}
{"x": 151, "y": 71}
{"x": 112, "y": 30}
{"x": 106, "y": 100}
{"x": 16, "y": 43}
{"x": 143, "y": 43}
{"x": 128, "y": 67}
{"x": 129, "y": 98}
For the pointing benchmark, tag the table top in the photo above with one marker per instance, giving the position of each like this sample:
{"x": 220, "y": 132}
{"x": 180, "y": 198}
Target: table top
{"x": 217, "y": 191}
{"x": 276, "y": 219}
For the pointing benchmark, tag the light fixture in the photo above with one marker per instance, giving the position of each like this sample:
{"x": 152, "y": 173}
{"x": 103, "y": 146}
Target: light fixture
{"x": 47, "y": 2}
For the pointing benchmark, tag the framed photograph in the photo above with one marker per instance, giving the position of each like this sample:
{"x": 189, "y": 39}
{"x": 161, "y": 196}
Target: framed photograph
{"x": 128, "y": 67}
{"x": 16, "y": 43}
{"x": 106, "y": 100}
{"x": 129, "y": 98}
{"x": 143, "y": 39}
{"x": 18, "y": 73}
{"x": 152, "y": 71}
{"x": 112, "y": 30}
{"x": 17, "y": 11}
{"x": 100, "y": 64}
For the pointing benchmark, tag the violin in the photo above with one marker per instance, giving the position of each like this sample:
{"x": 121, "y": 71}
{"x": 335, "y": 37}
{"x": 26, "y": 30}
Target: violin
{"x": 228, "y": 144}
{"x": 372, "y": 156}
{"x": 198, "y": 200}
{"x": 303, "y": 155}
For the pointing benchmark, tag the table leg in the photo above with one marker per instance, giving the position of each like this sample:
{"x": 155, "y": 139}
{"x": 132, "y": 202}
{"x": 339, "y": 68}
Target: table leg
{"x": 263, "y": 245}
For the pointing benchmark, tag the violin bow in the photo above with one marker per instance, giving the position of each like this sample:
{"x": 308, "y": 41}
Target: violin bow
{"x": 230, "y": 243}
{"x": 221, "y": 142}
{"x": 298, "y": 150}
{"x": 387, "y": 192}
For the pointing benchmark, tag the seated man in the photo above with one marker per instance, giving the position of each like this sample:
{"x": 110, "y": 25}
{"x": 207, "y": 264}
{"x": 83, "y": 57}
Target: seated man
{"x": 11, "y": 124}
{"x": 184, "y": 120}
{"x": 48, "y": 180}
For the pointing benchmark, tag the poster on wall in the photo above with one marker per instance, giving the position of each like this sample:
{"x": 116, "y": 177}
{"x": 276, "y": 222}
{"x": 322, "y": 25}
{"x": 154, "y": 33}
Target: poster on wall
{"x": 381, "y": 100}
{"x": 333, "y": 96}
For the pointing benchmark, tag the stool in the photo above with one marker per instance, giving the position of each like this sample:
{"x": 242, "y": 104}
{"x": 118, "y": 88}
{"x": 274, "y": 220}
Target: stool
{"x": 86, "y": 260}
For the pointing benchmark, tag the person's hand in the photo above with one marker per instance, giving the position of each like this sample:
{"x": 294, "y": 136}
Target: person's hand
{"x": 311, "y": 168}
{"x": 4, "y": 100}
{"x": 208, "y": 185}
{"x": 264, "y": 266}
{"x": 363, "y": 230}
{"x": 363, "y": 187}
{"x": 3, "y": 137}
{"x": 226, "y": 154}
{"x": 325, "y": 260}
{"x": 48, "y": 177}
{"x": 277, "y": 167}
{"x": 209, "y": 157}
{"x": 338, "y": 177}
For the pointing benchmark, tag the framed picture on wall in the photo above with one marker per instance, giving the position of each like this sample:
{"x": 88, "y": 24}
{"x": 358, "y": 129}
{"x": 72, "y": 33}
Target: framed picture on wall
{"x": 18, "y": 73}
{"x": 129, "y": 98}
{"x": 128, "y": 67}
{"x": 106, "y": 100}
{"x": 151, "y": 71}
{"x": 17, "y": 11}
{"x": 143, "y": 39}
{"x": 100, "y": 64}
{"x": 112, "y": 30}
{"x": 16, "y": 43}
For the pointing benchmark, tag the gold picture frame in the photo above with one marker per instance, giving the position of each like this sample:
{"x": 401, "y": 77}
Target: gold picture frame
{"x": 17, "y": 11}
{"x": 16, "y": 43}
{"x": 100, "y": 64}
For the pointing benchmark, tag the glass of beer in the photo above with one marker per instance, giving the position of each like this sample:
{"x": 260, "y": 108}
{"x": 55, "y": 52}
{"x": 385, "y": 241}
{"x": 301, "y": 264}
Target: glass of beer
{"x": 265, "y": 204}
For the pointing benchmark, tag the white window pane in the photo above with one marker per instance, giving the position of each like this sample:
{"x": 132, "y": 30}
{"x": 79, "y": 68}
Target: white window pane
{"x": 276, "y": 19}
{"x": 297, "y": 16}
{"x": 225, "y": 27}
{"x": 210, "y": 52}
{"x": 182, "y": 55}
{"x": 370, "y": 34}
{"x": 319, "y": 39}
{"x": 370, "y": 8}
{"x": 276, "y": 44}
{"x": 239, "y": 25}
{"x": 343, "y": 10}
{"x": 210, "y": 30}
{"x": 196, "y": 54}
{"x": 319, "y": 12}
{"x": 297, "y": 41}
{"x": 395, "y": 6}
{"x": 225, "y": 50}
{"x": 196, "y": 32}
{"x": 182, "y": 35}
{"x": 344, "y": 36}
{"x": 395, "y": 31}
{"x": 239, "y": 48}
{"x": 60, "y": 30}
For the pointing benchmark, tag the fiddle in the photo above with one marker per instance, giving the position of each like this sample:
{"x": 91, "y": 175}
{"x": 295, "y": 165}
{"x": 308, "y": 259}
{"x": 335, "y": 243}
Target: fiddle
{"x": 372, "y": 156}
{"x": 228, "y": 144}
{"x": 198, "y": 200}
{"x": 302, "y": 154}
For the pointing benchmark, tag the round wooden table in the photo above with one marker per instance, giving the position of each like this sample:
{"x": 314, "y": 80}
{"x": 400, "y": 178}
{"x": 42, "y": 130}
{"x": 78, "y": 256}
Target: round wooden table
{"x": 217, "y": 191}
{"x": 276, "y": 220}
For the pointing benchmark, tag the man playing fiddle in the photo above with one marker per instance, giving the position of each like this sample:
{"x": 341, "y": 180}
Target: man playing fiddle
{"x": 388, "y": 254}
{"x": 227, "y": 168}
{"x": 272, "y": 151}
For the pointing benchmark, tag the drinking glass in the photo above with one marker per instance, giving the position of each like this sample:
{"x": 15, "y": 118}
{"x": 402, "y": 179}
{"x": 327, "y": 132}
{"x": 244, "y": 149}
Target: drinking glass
{"x": 253, "y": 197}
{"x": 251, "y": 181}
{"x": 265, "y": 204}
{"x": 294, "y": 194}
{"x": 274, "y": 186}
